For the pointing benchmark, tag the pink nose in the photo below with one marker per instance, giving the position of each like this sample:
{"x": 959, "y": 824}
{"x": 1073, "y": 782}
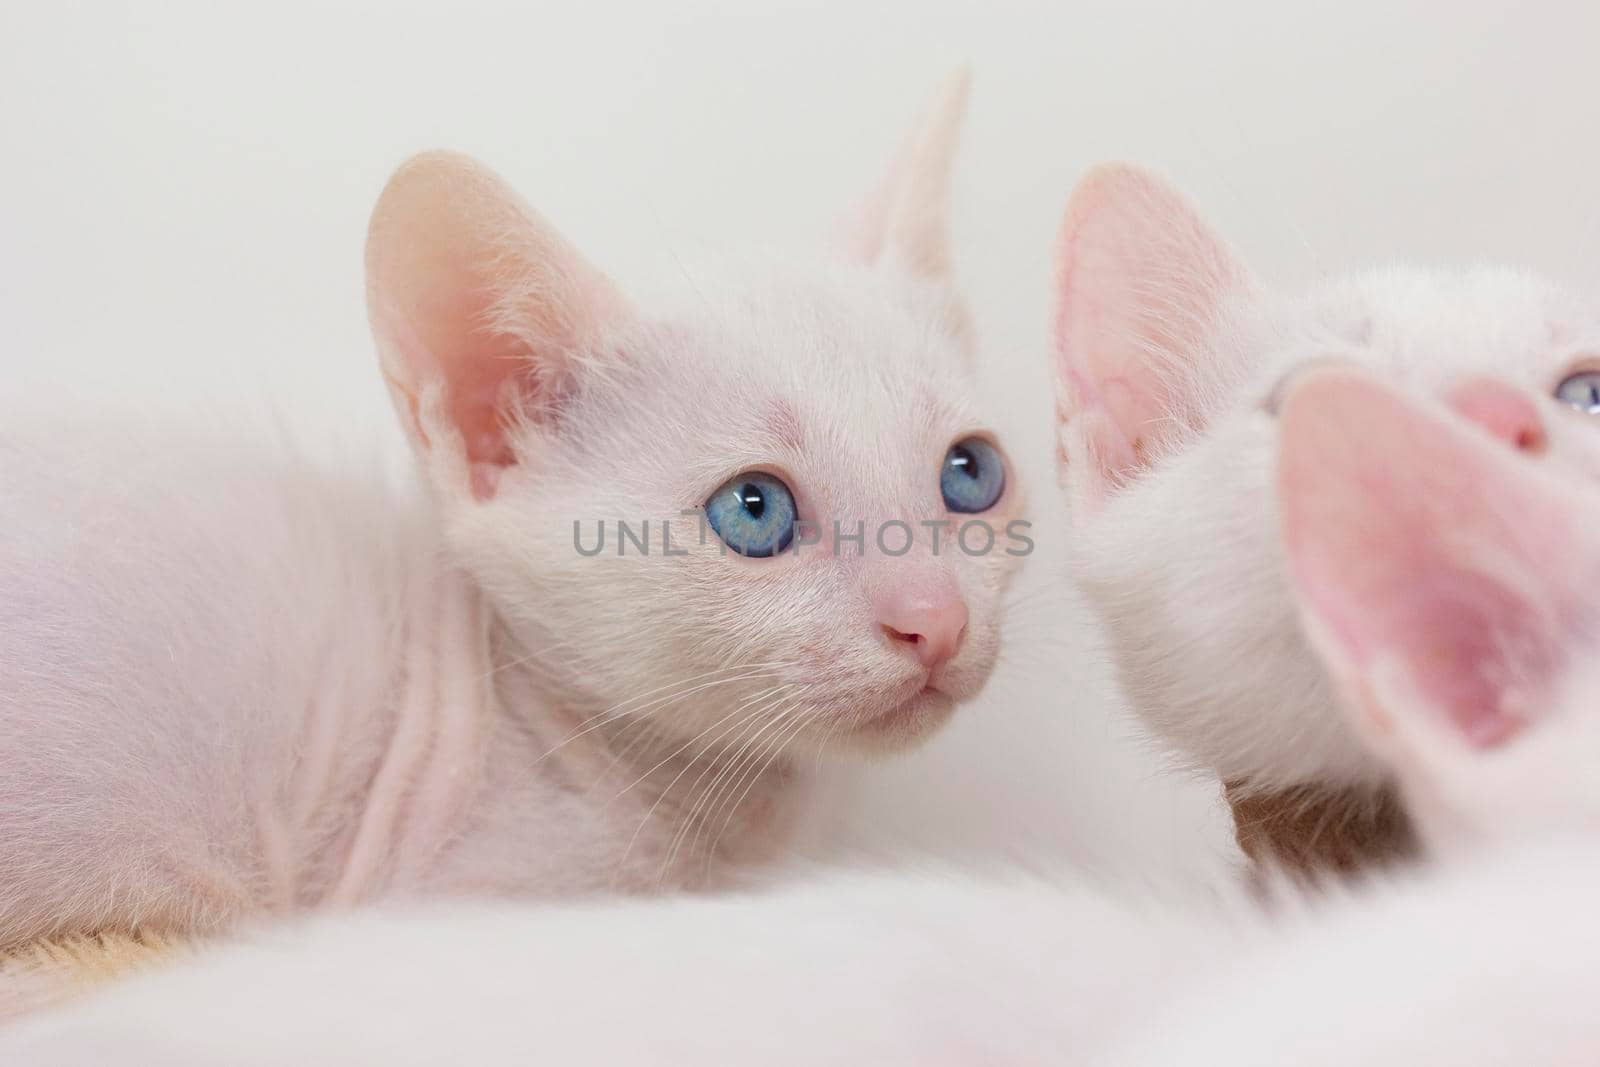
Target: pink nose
{"x": 927, "y": 619}
{"x": 1503, "y": 411}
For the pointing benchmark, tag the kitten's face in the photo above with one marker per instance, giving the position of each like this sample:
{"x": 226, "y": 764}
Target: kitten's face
{"x": 746, "y": 428}
{"x": 1446, "y": 581}
{"x": 1175, "y": 514}
{"x": 848, "y": 390}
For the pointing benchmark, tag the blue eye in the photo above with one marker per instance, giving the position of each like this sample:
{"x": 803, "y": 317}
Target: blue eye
{"x": 1581, "y": 391}
{"x": 753, "y": 514}
{"x": 973, "y": 477}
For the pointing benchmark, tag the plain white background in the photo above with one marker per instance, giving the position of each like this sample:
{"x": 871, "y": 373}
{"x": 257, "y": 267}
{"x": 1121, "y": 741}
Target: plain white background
{"x": 184, "y": 192}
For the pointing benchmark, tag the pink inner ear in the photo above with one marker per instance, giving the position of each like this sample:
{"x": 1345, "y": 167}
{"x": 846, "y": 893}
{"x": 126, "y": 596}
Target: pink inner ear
{"x": 481, "y": 368}
{"x": 1115, "y": 398}
{"x": 1471, "y": 648}
{"x": 1140, "y": 282}
{"x": 474, "y": 297}
{"x": 1415, "y": 540}
{"x": 485, "y": 382}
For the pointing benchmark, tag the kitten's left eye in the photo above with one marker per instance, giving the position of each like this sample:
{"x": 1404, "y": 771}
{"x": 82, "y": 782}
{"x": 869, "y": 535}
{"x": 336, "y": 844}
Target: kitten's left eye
{"x": 753, "y": 513}
{"x": 1581, "y": 391}
{"x": 973, "y": 476}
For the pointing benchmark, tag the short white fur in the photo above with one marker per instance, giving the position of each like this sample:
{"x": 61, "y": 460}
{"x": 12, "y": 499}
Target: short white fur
{"x": 233, "y": 684}
{"x": 1166, "y": 340}
{"x": 1486, "y": 957}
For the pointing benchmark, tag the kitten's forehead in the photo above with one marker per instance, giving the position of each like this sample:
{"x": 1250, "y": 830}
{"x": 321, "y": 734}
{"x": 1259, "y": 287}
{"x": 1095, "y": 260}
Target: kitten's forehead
{"x": 1437, "y": 322}
{"x": 850, "y": 365}
{"x": 843, "y": 330}
{"x": 847, "y": 367}
{"x": 853, "y": 379}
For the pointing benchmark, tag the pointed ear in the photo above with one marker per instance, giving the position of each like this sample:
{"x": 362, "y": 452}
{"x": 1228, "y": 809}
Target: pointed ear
{"x": 905, "y": 221}
{"x": 1438, "y": 570}
{"x": 1140, "y": 283}
{"x": 479, "y": 308}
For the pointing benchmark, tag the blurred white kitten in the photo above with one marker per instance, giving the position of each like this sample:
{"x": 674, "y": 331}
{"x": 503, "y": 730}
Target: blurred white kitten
{"x": 1445, "y": 578}
{"x": 1448, "y": 583}
{"x": 1169, "y": 358}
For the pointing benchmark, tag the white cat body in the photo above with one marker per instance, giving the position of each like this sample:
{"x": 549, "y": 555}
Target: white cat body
{"x": 852, "y": 967}
{"x": 1169, "y": 359}
{"x": 1489, "y": 962}
{"x": 234, "y": 683}
{"x": 349, "y": 719}
{"x": 1444, "y": 577}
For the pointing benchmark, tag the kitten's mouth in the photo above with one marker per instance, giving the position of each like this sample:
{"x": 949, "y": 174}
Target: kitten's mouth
{"x": 909, "y": 719}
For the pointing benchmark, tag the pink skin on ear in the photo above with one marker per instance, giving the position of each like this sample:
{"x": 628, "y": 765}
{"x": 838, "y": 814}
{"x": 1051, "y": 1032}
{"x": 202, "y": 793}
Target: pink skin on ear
{"x": 921, "y": 611}
{"x": 482, "y": 389}
{"x": 1419, "y": 546}
{"x": 1140, "y": 280}
{"x": 476, "y": 304}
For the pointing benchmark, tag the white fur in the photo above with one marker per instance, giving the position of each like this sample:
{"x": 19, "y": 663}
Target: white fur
{"x": 1486, "y": 958}
{"x": 908, "y": 970}
{"x": 234, "y": 684}
{"x": 1489, "y": 962}
{"x": 1181, "y": 558}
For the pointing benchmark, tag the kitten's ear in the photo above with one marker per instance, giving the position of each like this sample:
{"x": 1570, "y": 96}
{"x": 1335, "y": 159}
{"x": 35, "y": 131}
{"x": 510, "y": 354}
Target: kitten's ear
{"x": 479, "y": 308}
{"x": 905, "y": 221}
{"x": 1439, "y": 572}
{"x": 1140, "y": 280}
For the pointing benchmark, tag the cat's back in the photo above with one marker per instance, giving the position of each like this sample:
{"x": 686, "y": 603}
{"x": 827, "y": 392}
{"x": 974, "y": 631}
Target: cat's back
{"x": 126, "y": 551}
{"x": 176, "y": 607}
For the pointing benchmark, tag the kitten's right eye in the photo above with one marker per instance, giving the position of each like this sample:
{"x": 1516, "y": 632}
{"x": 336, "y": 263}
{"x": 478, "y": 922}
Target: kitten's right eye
{"x": 973, "y": 476}
{"x": 753, "y": 513}
{"x": 1581, "y": 391}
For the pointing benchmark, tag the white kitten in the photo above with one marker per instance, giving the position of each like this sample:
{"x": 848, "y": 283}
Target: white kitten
{"x": 230, "y": 684}
{"x": 1424, "y": 553}
{"x": 1169, "y": 354}
{"x": 1448, "y": 583}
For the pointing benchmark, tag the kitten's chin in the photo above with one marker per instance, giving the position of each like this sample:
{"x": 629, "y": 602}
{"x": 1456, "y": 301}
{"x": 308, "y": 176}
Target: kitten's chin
{"x": 901, "y": 725}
